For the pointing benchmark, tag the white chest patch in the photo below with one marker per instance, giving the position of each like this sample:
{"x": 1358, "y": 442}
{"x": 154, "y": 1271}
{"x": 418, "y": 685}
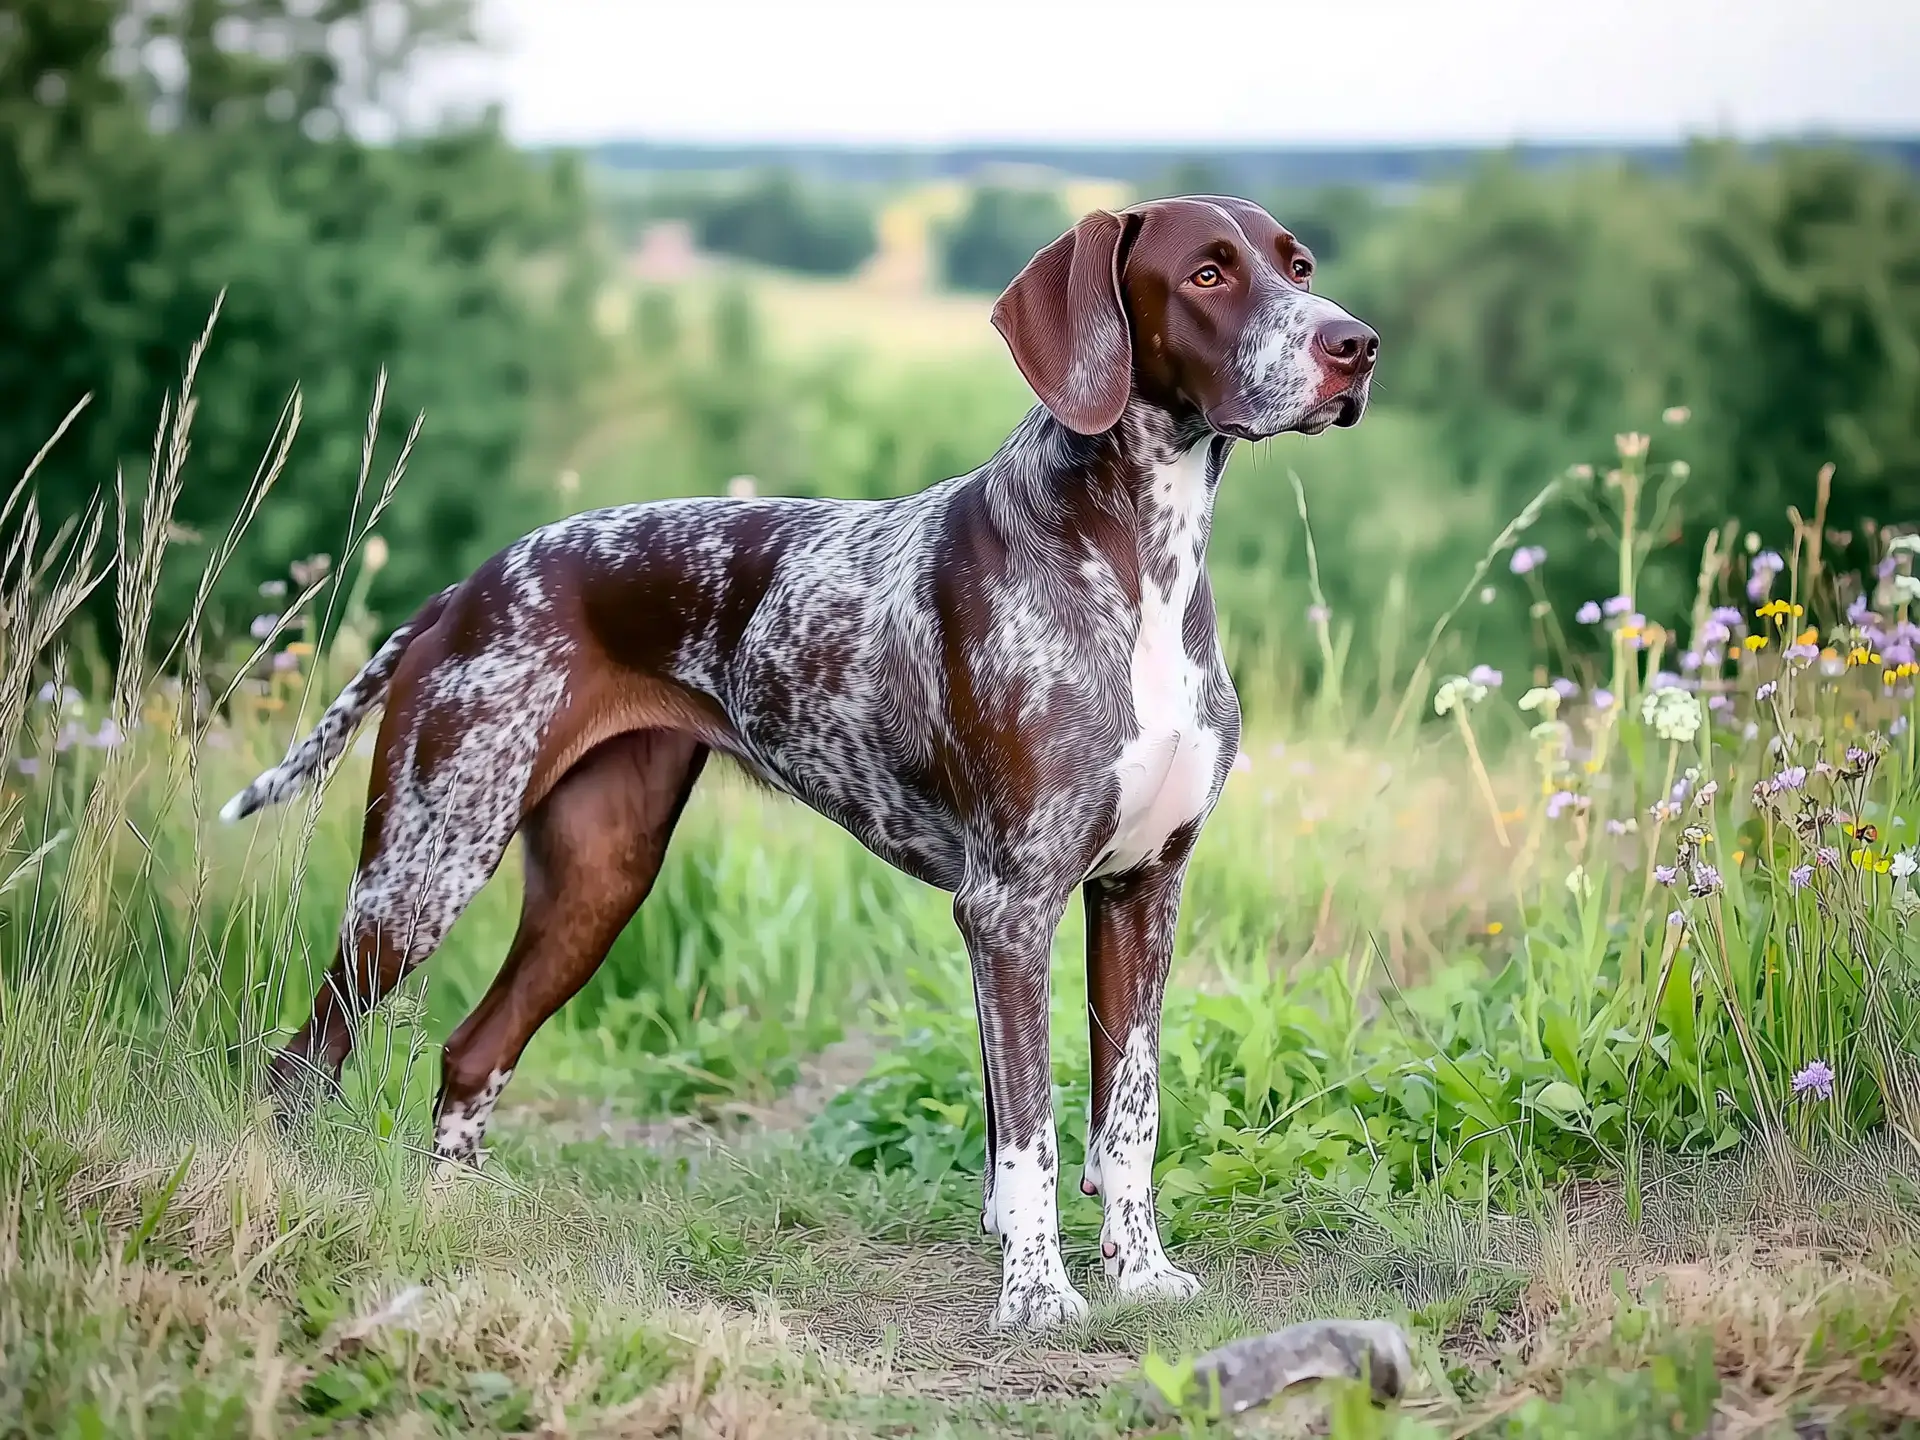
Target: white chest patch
{"x": 1166, "y": 770}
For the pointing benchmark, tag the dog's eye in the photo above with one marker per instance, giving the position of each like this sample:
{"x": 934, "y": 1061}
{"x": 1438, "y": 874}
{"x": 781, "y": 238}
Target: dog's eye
{"x": 1302, "y": 269}
{"x": 1206, "y": 277}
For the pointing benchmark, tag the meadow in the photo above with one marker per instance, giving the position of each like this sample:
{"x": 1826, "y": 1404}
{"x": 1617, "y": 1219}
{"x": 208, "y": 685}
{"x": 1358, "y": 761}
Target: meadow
{"x": 1566, "y": 1016}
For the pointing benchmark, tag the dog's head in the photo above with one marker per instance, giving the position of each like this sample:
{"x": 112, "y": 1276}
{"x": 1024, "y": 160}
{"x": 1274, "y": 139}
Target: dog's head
{"x": 1202, "y": 306}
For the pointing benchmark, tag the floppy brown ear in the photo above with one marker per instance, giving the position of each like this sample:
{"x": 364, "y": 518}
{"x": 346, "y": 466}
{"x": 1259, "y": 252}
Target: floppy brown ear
{"x": 1063, "y": 319}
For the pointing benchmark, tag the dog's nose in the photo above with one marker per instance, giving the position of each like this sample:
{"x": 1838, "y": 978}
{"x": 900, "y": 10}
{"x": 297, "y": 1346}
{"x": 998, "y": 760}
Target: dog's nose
{"x": 1348, "y": 345}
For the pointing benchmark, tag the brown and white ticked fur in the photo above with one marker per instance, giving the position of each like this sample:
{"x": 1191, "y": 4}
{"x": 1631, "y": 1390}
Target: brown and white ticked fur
{"x": 1009, "y": 685}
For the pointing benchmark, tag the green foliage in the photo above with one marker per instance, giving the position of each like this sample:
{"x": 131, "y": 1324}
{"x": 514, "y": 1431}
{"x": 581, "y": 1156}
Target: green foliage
{"x": 136, "y": 196}
{"x": 774, "y": 220}
{"x": 999, "y": 231}
{"x": 1531, "y": 315}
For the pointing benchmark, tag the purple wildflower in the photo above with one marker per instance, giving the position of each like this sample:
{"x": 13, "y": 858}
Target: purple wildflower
{"x": 263, "y": 626}
{"x": 1690, "y": 661}
{"x": 1564, "y": 687}
{"x": 1792, "y": 777}
{"x": 1589, "y": 613}
{"x": 108, "y": 737}
{"x": 1485, "y": 675}
{"x": 1826, "y": 857}
{"x": 1765, "y": 692}
{"x": 1558, "y": 803}
{"x": 1800, "y": 877}
{"x": 1715, "y": 633}
{"x": 1815, "y": 1080}
{"x": 1664, "y": 680}
{"x": 1616, "y": 605}
{"x": 1318, "y": 614}
{"x": 1705, "y": 882}
{"x": 1665, "y": 874}
{"x": 286, "y": 660}
{"x": 1527, "y": 558}
{"x": 1728, "y": 617}
{"x": 1602, "y": 699}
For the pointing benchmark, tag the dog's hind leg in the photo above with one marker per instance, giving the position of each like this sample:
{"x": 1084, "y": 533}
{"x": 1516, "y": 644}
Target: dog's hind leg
{"x": 450, "y": 776}
{"x": 593, "y": 847}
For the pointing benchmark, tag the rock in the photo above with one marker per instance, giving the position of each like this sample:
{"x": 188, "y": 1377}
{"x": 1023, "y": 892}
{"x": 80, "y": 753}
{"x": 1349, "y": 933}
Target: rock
{"x": 1254, "y": 1370}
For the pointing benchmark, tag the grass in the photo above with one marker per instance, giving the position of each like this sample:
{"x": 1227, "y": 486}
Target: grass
{"x": 1438, "y": 1050}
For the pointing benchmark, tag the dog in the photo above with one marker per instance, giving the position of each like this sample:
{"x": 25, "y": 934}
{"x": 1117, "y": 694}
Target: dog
{"x": 1009, "y": 685}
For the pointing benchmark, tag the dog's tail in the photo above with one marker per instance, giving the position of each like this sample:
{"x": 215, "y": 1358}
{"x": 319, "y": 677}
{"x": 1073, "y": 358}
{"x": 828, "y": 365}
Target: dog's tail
{"x": 313, "y": 755}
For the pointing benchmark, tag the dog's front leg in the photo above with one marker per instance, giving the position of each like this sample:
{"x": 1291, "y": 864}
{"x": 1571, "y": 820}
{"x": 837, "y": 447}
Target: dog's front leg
{"x": 1130, "y": 927}
{"x": 1009, "y": 928}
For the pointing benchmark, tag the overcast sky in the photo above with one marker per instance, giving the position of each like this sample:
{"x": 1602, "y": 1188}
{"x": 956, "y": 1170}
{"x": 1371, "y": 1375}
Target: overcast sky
{"x": 932, "y": 71}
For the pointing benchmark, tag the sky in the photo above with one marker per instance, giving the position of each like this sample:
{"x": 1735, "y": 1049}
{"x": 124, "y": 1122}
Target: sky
{"x": 1186, "y": 71}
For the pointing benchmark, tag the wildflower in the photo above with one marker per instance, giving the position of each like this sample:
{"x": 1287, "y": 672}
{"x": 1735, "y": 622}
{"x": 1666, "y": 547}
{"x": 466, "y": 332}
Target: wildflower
{"x": 1675, "y": 919}
{"x": 286, "y": 660}
{"x": 1705, "y": 881}
{"x": 1760, "y": 573}
{"x": 1676, "y": 414}
{"x": 1674, "y": 715}
{"x": 1791, "y": 777}
{"x": 1580, "y": 472}
{"x": 1665, "y": 874}
{"x": 1827, "y": 858}
{"x": 376, "y": 555}
{"x": 1485, "y": 675}
{"x": 1541, "y": 698}
{"x": 263, "y": 626}
{"x": 108, "y": 737}
{"x": 1750, "y": 732}
{"x": 1318, "y": 614}
{"x": 1689, "y": 661}
{"x": 1616, "y": 605}
{"x": 1680, "y": 470}
{"x": 1564, "y": 687}
{"x": 1632, "y": 445}
{"x": 1494, "y": 927}
{"x": 1899, "y": 725}
{"x": 1457, "y": 692}
{"x": 1589, "y": 613}
{"x": 1527, "y": 559}
{"x": 1715, "y": 632}
{"x": 1904, "y": 864}
{"x": 27, "y": 765}
{"x": 1815, "y": 1080}
{"x": 1799, "y": 877}
{"x": 1765, "y": 692}
{"x": 1488, "y": 594}
{"x": 1602, "y": 699}
{"x": 1755, "y": 642}
{"x": 1559, "y": 802}
{"x": 1579, "y": 883}
{"x": 273, "y": 589}
{"x": 1705, "y": 797}
{"x": 1616, "y": 827}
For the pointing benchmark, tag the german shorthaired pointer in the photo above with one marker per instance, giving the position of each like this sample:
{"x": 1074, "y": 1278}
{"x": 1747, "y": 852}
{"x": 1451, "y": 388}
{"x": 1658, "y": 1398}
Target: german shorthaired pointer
{"x": 1008, "y": 685}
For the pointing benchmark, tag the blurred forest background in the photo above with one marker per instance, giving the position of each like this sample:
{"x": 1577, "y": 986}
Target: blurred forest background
{"x": 587, "y": 328}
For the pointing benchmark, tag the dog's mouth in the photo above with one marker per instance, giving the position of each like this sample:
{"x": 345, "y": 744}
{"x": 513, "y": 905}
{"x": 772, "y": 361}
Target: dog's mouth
{"x": 1343, "y": 410}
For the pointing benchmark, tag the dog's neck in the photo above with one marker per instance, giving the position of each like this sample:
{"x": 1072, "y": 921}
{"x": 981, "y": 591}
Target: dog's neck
{"x": 1141, "y": 493}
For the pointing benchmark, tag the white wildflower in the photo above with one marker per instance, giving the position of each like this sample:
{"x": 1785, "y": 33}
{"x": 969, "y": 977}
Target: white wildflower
{"x": 1674, "y": 715}
{"x": 1542, "y": 698}
{"x": 1457, "y": 692}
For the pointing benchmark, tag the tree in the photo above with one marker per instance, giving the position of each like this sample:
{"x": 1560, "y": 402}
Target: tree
{"x": 152, "y": 158}
{"x": 1000, "y": 230}
{"x": 774, "y": 220}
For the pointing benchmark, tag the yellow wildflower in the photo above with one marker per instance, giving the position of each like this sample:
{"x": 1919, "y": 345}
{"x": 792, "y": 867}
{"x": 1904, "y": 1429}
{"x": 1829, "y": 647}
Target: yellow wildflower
{"x": 1755, "y": 642}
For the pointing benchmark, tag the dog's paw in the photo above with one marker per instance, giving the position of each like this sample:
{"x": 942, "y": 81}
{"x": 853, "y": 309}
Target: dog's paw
{"x": 1145, "y": 1284}
{"x": 1040, "y": 1305}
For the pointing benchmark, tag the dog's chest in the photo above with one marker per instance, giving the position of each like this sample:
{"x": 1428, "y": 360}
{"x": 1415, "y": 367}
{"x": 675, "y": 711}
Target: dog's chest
{"x": 1169, "y": 767}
